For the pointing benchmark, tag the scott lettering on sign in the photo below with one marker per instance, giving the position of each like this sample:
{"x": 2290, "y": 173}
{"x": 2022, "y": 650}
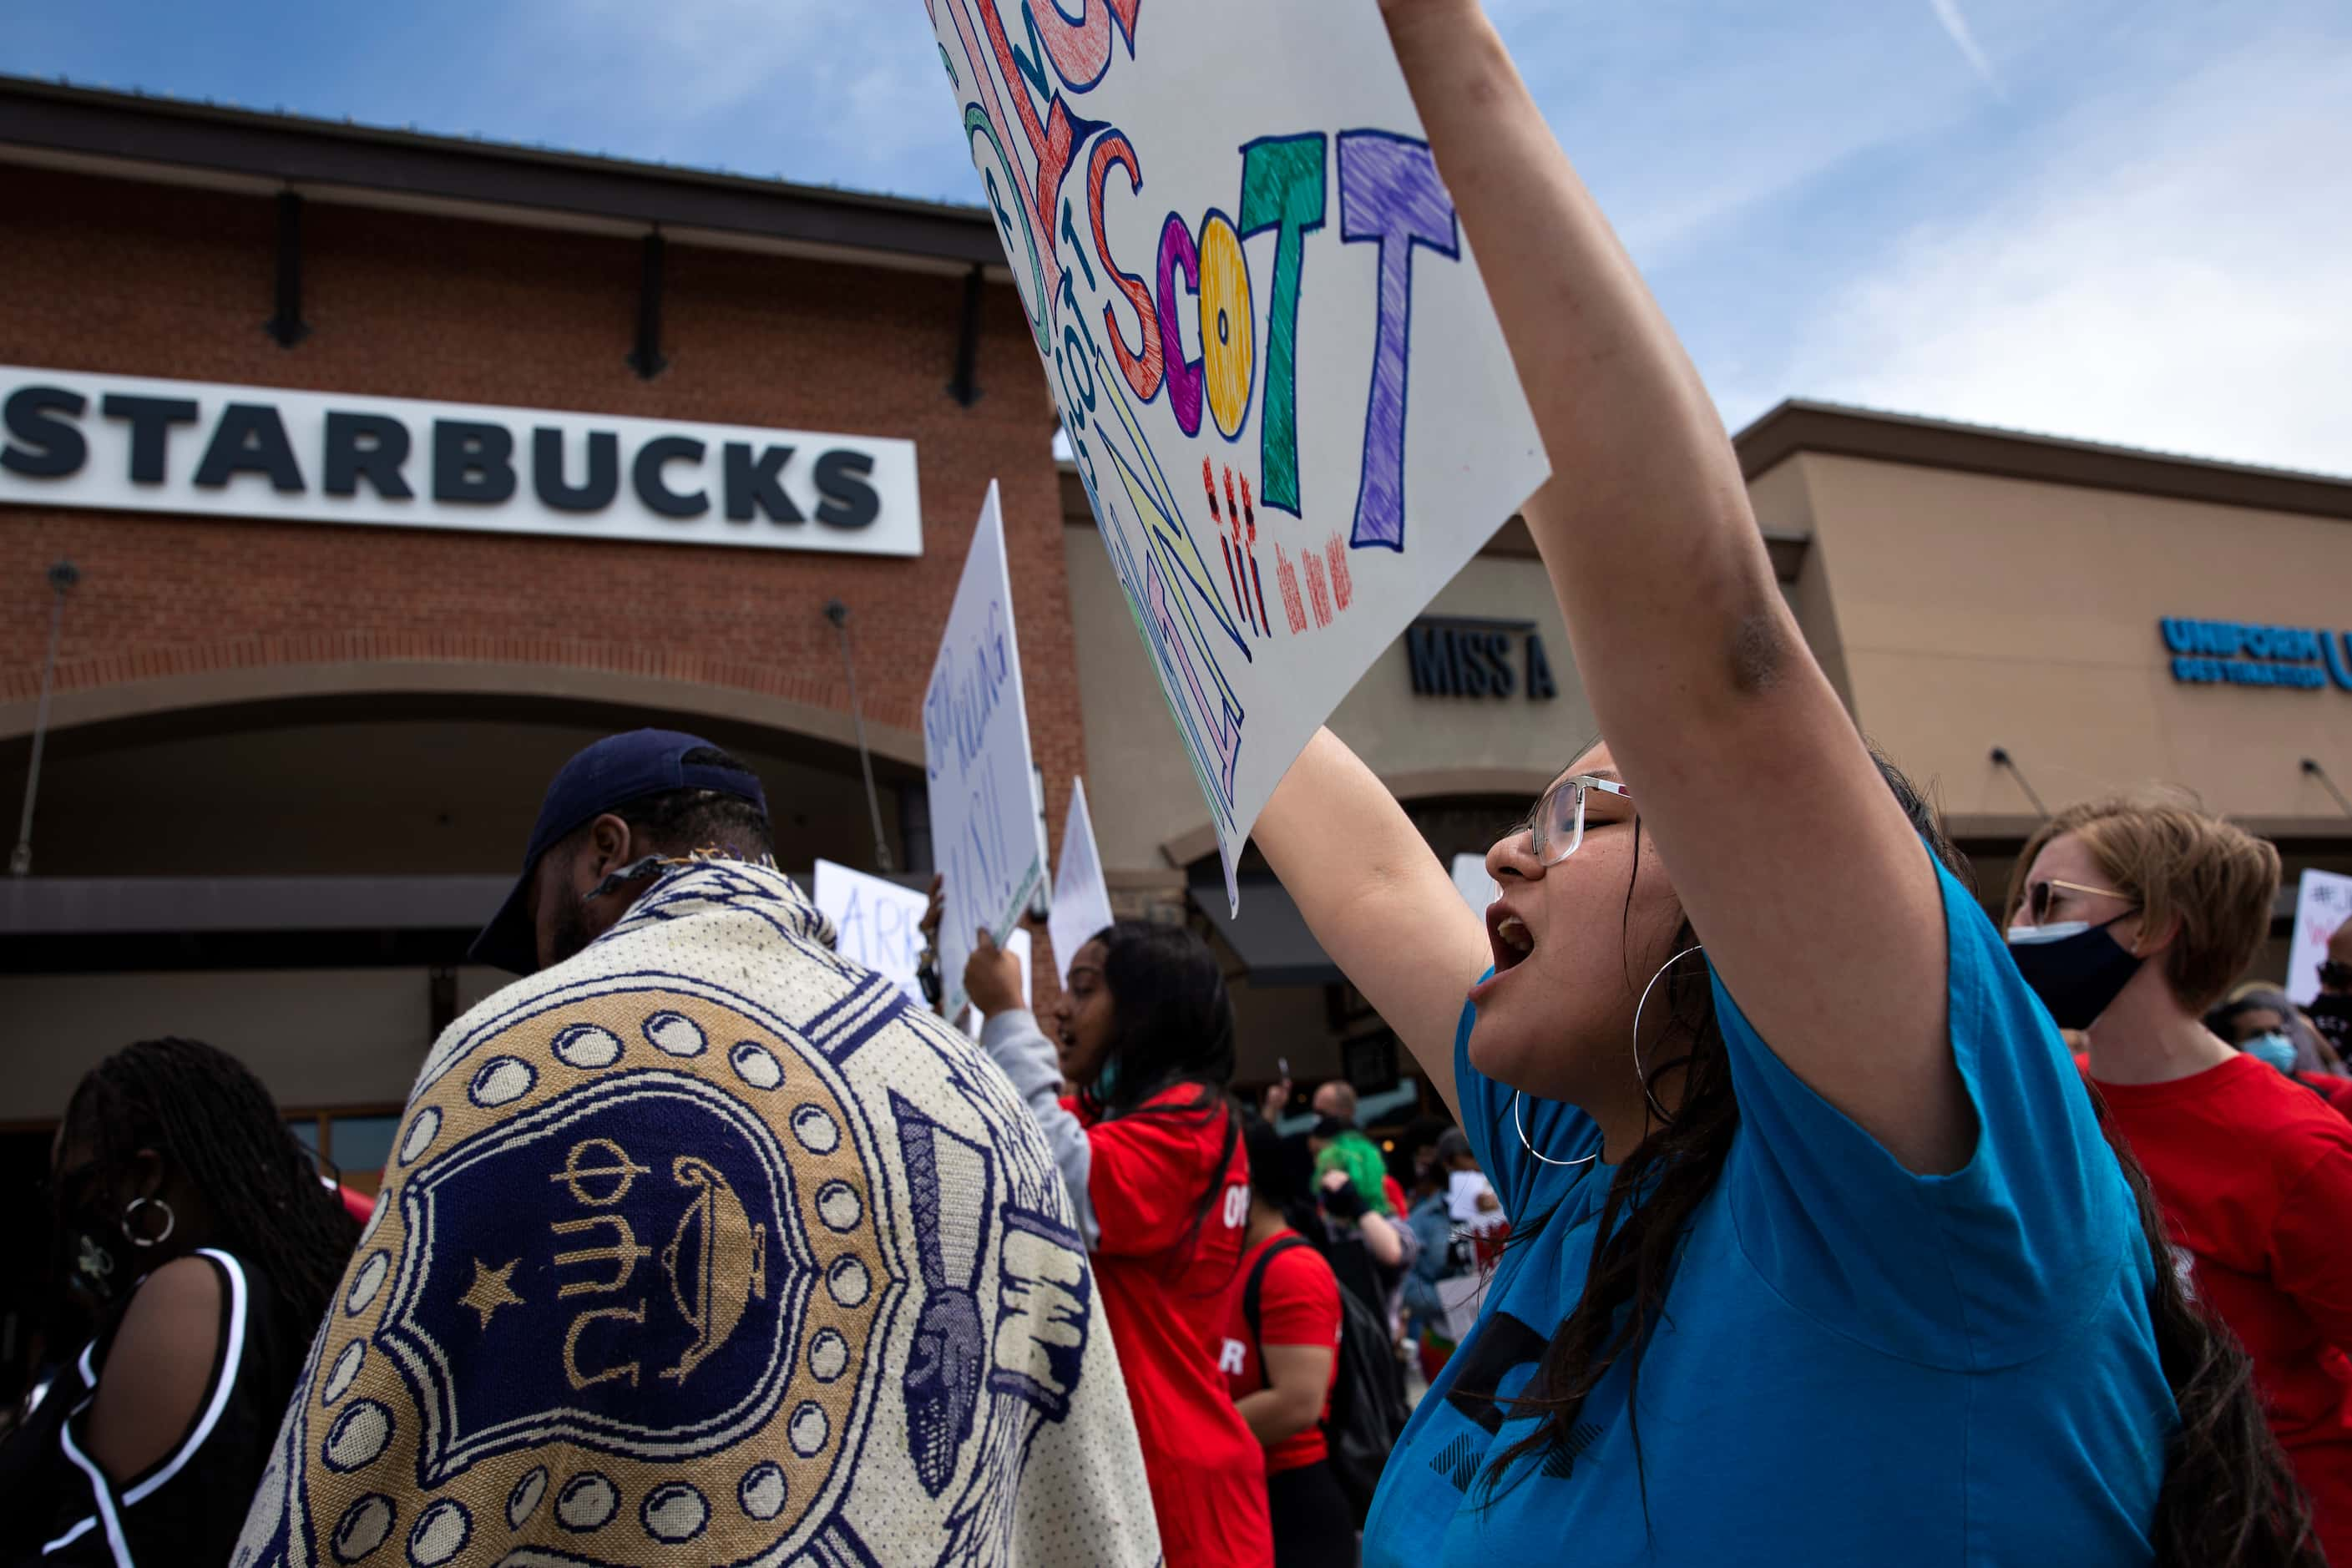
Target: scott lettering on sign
{"x": 1238, "y": 262}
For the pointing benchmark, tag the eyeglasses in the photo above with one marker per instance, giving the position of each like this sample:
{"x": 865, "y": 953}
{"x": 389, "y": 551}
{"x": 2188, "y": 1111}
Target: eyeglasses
{"x": 2041, "y": 897}
{"x": 1557, "y": 824}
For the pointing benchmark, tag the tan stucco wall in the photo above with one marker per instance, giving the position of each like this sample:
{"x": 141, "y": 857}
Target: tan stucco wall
{"x": 1973, "y": 611}
{"x": 1143, "y": 797}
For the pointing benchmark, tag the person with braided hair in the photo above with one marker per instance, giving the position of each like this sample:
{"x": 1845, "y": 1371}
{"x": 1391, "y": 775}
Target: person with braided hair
{"x": 197, "y": 1227}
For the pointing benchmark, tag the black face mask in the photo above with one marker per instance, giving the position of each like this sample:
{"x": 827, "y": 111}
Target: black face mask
{"x": 2332, "y": 1011}
{"x": 95, "y": 1258}
{"x": 2077, "y": 969}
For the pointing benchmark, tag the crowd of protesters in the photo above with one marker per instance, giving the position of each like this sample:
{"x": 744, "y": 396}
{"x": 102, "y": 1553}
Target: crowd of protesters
{"x": 1769, "y": 1219}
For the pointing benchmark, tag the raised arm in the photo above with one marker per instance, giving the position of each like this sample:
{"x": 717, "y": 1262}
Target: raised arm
{"x": 1816, "y": 902}
{"x": 1376, "y": 898}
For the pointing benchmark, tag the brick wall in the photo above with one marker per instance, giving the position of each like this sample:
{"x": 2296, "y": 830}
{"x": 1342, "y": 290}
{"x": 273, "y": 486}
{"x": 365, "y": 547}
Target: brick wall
{"x": 113, "y": 276}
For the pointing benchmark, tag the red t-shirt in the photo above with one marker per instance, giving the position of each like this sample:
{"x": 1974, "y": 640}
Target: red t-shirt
{"x": 2254, "y": 1174}
{"x": 1164, "y": 1288}
{"x": 2336, "y": 1091}
{"x": 1297, "y": 1304}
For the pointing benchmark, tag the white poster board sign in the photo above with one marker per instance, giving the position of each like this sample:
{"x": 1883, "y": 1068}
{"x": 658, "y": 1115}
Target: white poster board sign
{"x": 1081, "y": 901}
{"x": 987, "y": 831}
{"x": 876, "y": 923}
{"x": 879, "y": 924}
{"x": 1478, "y": 889}
{"x": 1284, "y": 386}
{"x": 2322, "y": 902}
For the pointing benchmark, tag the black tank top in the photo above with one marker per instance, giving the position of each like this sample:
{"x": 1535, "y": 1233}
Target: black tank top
{"x": 56, "y": 1506}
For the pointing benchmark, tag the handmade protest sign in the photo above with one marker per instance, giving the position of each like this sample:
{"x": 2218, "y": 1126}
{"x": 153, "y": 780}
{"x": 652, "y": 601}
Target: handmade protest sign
{"x": 1284, "y": 386}
{"x": 879, "y": 924}
{"x": 987, "y": 832}
{"x": 1081, "y": 901}
{"x": 2322, "y": 901}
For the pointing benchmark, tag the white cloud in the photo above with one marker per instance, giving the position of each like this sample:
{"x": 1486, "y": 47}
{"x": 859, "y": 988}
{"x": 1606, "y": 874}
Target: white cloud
{"x": 816, "y": 92}
{"x": 1948, "y": 11}
{"x": 2170, "y": 274}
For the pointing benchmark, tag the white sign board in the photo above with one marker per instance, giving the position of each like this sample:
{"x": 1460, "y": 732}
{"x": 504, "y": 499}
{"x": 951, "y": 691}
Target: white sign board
{"x": 1283, "y": 385}
{"x": 69, "y": 439}
{"x": 2322, "y": 902}
{"x": 879, "y": 924}
{"x": 1081, "y": 901}
{"x": 876, "y": 923}
{"x": 988, "y": 836}
{"x": 1478, "y": 889}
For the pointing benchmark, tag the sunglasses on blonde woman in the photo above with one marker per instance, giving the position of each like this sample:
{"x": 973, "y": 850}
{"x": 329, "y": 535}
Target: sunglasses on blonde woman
{"x": 1557, "y": 821}
{"x": 2041, "y": 897}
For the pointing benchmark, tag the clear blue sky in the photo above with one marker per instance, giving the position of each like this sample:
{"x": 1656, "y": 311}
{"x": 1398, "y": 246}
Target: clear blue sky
{"x": 2130, "y": 220}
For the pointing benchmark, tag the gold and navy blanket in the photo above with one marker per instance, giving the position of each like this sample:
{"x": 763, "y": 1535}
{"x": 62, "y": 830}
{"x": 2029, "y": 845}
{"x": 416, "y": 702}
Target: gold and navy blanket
{"x": 705, "y": 1248}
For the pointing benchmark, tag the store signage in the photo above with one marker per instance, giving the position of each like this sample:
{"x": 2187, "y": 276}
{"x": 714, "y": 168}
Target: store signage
{"x": 131, "y": 444}
{"x": 2238, "y": 653}
{"x": 1461, "y": 657}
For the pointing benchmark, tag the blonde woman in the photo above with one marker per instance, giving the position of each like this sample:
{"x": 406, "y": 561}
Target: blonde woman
{"x": 2131, "y": 918}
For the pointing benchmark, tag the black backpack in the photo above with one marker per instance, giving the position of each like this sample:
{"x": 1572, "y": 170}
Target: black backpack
{"x": 1368, "y": 1405}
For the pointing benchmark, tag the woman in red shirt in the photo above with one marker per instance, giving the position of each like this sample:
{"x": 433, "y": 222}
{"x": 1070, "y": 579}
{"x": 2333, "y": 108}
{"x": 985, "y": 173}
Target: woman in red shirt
{"x": 1280, "y": 1369}
{"x": 1152, "y": 1155}
{"x": 2128, "y": 921}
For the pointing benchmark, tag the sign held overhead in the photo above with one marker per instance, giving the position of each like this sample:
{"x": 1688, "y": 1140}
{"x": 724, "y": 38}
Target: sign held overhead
{"x": 987, "y": 832}
{"x": 1282, "y": 383}
{"x": 1081, "y": 899}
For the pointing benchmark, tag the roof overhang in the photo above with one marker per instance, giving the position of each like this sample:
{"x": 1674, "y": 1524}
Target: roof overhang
{"x": 128, "y": 136}
{"x": 1797, "y": 426}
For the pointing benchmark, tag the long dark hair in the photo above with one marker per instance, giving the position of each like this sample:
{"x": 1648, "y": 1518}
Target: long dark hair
{"x": 215, "y": 1124}
{"x": 1171, "y": 1026}
{"x": 2228, "y": 1499}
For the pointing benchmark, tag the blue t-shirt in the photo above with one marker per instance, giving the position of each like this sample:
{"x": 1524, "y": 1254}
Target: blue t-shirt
{"x": 1857, "y": 1365}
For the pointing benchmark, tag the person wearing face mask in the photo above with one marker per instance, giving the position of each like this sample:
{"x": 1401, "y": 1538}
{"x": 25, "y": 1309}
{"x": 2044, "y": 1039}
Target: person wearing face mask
{"x": 2331, "y": 1010}
{"x": 196, "y": 1230}
{"x": 1150, "y": 1148}
{"x": 2129, "y": 917}
{"x": 1818, "y": 1252}
{"x": 2263, "y": 1023}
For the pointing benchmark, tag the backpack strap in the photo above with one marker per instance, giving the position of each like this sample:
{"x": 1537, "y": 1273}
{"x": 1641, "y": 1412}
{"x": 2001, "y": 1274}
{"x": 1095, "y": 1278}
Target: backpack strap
{"x": 1257, "y": 1278}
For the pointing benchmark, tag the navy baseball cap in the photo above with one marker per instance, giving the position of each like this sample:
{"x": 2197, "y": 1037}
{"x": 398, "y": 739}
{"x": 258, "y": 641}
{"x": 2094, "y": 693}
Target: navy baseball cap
{"x": 612, "y": 773}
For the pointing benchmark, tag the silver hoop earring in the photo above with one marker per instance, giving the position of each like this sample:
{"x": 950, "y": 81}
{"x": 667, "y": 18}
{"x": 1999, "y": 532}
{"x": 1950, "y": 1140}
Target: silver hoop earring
{"x": 1519, "y": 1123}
{"x": 133, "y": 1237}
{"x": 1656, "y": 1110}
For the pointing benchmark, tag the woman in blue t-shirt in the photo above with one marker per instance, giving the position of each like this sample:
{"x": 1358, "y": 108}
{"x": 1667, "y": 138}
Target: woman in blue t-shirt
{"x": 1819, "y": 1252}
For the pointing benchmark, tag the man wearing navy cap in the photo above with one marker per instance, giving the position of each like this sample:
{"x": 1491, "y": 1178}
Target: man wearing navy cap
{"x": 615, "y": 816}
{"x": 698, "y": 1245}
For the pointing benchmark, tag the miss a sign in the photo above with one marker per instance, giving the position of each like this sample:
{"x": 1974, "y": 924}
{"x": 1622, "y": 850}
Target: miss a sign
{"x": 1471, "y": 657}
{"x": 135, "y": 445}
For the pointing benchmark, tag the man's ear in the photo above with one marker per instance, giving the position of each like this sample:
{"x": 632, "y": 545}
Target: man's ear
{"x": 610, "y": 846}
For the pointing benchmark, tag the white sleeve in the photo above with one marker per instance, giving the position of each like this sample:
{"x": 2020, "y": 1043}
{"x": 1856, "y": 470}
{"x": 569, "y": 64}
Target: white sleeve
{"x": 1014, "y": 1043}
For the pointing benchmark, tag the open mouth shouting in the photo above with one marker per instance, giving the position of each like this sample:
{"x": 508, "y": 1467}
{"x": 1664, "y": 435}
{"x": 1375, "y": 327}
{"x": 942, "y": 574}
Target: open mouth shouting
{"x": 1507, "y": 936}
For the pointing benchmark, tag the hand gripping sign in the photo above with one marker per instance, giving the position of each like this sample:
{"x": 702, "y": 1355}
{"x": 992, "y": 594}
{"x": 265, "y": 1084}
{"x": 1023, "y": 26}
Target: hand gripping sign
{"x": 1282, "y": 383}
{"x": 987, "y": 832}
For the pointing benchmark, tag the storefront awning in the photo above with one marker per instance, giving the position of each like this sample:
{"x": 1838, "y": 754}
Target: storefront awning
{"x": 56, "y": 906}
{"x": 1270, "y": 934}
